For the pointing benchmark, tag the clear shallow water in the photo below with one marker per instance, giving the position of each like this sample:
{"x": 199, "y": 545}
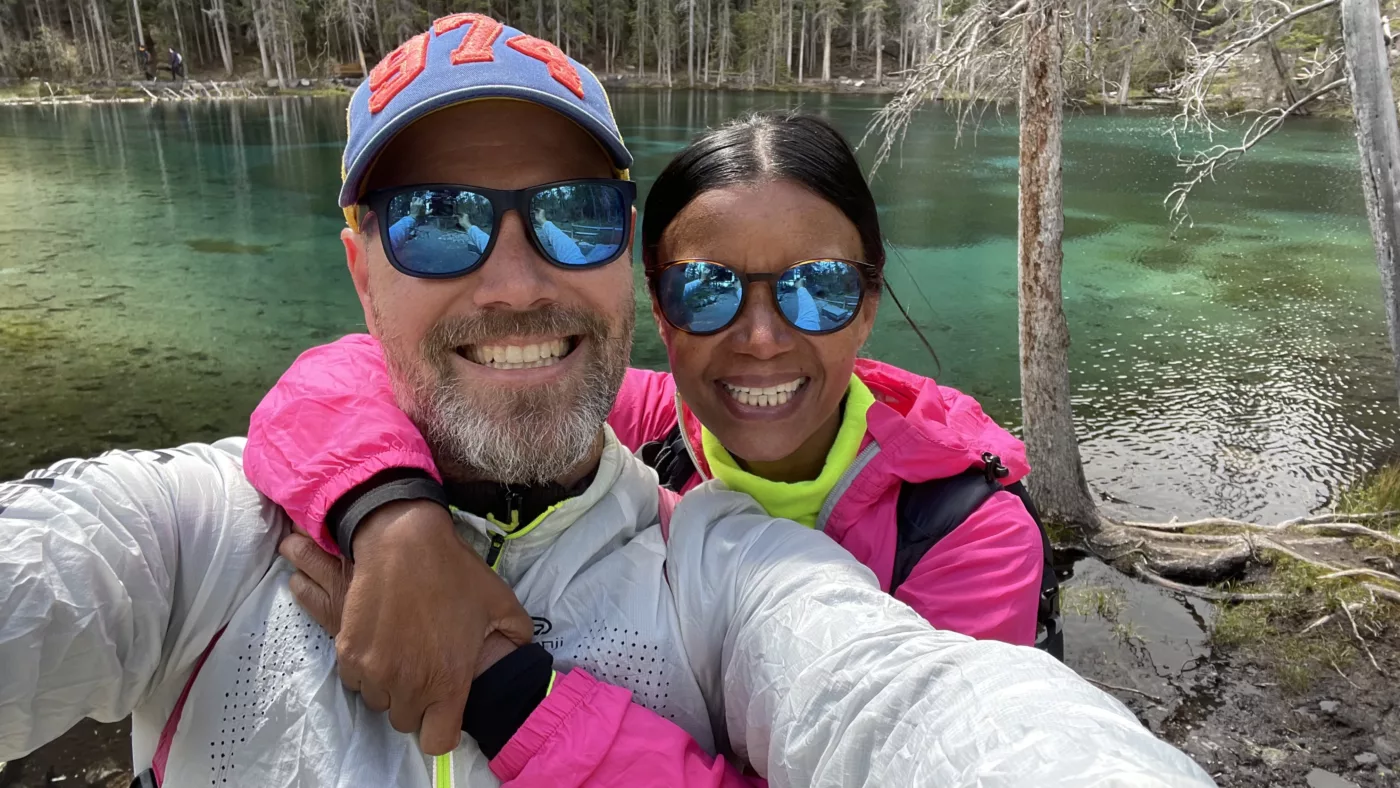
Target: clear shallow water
{"x": 160, "y": 266}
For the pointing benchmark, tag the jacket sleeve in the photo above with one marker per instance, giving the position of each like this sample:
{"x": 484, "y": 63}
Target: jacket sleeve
{"x": 115, "y": 574}
{"x": 590, "y": 734}
{"x": 818, "y": 678}
{"x": 645, "y": 409}
{"x": 329, "y": 425}
{"x": 983, "y": 578}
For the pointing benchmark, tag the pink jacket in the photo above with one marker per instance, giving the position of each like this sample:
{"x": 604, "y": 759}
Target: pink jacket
{"x": 983, "y": 579}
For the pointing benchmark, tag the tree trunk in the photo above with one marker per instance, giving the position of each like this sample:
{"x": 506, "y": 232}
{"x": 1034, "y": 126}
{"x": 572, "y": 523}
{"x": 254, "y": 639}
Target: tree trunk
{"x": 690, "y": 45}
{"x": 539, "y": 17}
{"x": 855, "y": 36}
{"x": 378, "y": 33}
{"x": 1378, "y": 136}
{"x": 826, "y": 53}
{"x": 1290, "y": 90}
{"x": 879, "y": 48}
{"x": 355, "y": 34}
{"x": 802, "y": 48}
{"x": 260, "y": 30}
{"x": 1057, "y": 482}
{"x": 709, "y": 35}
{"x": 558, "y": 18}
{"x": 179, "y": 28}
{"x": 642, "y": 38}
{"x": 938, "y": 26}
{"x": 1127, "y": 76}
{"x": 221, "y": 32}
{"x": 136, "y": 15}
{"x": 100, "y": 33}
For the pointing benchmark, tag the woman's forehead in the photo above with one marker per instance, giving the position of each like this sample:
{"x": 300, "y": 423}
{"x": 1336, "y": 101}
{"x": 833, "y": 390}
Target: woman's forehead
{"x": 760, "y": 226}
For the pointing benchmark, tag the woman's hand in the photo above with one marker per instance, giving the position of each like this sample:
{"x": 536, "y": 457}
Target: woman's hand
{"x": 410, "y": 617}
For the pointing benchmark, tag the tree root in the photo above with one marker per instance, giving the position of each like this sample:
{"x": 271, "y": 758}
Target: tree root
{"x": 1202, "y": 593}
{"x": 1176, "y": 556}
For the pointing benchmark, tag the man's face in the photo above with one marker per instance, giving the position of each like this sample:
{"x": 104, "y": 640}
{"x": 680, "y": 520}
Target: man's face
{"x": 455, "y": 347}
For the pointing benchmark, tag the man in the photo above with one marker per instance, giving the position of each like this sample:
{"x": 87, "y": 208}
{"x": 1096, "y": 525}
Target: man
{"x": 177, "y": 65}
{"x": 147, "y": 583}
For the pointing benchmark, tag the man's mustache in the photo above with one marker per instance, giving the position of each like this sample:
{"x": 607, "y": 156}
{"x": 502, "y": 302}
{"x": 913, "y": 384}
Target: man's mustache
{"x": 493, "y": 324}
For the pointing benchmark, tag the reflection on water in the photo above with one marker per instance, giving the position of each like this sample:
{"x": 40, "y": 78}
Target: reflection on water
{"x": 161, "y": 265}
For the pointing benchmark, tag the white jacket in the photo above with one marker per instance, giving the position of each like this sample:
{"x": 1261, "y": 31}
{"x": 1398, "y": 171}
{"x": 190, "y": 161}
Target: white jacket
{"x": 756, "y": 635}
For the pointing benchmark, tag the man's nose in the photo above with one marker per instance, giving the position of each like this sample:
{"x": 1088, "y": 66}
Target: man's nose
{"x": 514, "y": 276}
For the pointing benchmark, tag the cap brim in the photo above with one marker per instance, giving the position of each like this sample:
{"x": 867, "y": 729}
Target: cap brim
{"x": 356, "y": 170}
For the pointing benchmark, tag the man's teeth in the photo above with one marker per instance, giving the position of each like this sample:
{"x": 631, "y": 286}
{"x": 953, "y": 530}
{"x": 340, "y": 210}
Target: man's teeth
{"x": 542, "y": 354}
{"x": 769, "y": 397}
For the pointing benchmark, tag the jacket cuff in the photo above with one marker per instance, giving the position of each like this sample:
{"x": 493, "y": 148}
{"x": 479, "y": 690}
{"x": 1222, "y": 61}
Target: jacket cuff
{"x": 505, "y": 696}
{"x": 394, "y": 484}
{"x": 570, "y": 691}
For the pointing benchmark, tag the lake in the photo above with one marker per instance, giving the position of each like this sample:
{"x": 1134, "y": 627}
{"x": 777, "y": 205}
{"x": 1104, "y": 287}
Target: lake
{"x": 161, "y": 265}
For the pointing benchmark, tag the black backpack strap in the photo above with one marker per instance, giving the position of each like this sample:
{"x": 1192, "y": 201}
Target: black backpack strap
{"x": 929, "y": 511}
{"x": 670, "y": 458}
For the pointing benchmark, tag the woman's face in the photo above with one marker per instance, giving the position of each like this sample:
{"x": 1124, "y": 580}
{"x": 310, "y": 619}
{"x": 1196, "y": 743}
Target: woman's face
{"x": 764, "y": 228}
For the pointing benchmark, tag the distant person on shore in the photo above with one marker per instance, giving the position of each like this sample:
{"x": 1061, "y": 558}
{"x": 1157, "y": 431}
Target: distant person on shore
{"x": 148, "y": 65}
{"x": 177, "y": 66}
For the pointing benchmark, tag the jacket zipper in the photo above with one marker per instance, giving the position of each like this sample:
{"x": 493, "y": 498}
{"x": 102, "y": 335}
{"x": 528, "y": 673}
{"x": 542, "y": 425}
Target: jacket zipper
{"x": 496, "y": 554}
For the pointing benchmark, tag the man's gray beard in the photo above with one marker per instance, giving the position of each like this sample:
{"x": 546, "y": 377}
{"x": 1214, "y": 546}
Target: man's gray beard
{"x": 527, "y": 436}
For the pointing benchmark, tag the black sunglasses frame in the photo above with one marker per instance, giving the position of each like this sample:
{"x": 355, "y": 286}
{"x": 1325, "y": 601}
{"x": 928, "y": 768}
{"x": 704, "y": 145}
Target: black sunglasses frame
{"x": 502, "y": 201}
{"x": 772, "y": 278}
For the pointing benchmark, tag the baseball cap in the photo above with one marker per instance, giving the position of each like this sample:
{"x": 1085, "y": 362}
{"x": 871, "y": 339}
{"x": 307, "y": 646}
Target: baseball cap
{"x": 465, "y": 57}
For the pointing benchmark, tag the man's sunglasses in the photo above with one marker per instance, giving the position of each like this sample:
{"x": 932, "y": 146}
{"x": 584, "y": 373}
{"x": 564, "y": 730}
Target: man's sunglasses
{"x": 814, "y": 296}
{"x": 438, "y": 231}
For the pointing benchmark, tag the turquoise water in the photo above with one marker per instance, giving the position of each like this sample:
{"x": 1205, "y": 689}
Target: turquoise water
{"x": 161, "y": 265}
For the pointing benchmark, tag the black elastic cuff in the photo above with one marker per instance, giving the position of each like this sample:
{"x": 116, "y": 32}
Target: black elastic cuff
{"x": 505, "y": 695}
{"x": 387, "y": 487}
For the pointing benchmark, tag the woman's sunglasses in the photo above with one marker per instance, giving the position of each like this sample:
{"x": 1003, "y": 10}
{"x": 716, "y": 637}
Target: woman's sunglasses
{"x": 814, "y": 296}
{"x": 438, "y": 231}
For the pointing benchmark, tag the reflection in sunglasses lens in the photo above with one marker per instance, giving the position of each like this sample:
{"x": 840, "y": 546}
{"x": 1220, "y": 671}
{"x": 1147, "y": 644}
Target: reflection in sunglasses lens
{"x": 580, "y": 224}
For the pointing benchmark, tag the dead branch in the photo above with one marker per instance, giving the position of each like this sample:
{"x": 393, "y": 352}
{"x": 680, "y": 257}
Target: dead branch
{"x": 1343, "y": 675}
{"x": 1202, "y": 593}
{"x": 1269, "y": 544}
{"x": 1213, "y": 522}
{"x": 1116, "y": 688}
{"x": 1202, "y": 165}
{"x": 1351, "y": 529}
{"x": 1193, "y": 89}
{"x": 1336, "y": 517}
{"x": 1317, "y": 623}
{"x": 978, "y": 63}
{"x": 1388, "y": 593}
{"x": 1361, "y": 573}
{"x": 1347, "y": 609}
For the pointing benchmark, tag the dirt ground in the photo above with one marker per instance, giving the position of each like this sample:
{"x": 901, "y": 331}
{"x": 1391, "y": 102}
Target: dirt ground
{"x": 1236, "y": 713}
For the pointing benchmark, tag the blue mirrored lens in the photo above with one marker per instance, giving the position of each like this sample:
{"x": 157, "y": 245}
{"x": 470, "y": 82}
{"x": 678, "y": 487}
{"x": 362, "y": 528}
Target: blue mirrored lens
{"x": 699, "y": 297}
{"x": 439, "y": 232}
{"x": 819, "y": 296}
{"x": 582, "y": 224}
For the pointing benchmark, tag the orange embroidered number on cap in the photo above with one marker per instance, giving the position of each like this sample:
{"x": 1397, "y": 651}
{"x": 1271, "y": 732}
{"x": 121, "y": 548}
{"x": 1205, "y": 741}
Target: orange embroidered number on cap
{"x": 395, "y": 72}
{"x": 559, "y": 66}
{"x": 476, "y": 44}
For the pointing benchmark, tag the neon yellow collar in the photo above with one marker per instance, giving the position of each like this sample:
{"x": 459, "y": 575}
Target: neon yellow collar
{"x": 800, "y": 501}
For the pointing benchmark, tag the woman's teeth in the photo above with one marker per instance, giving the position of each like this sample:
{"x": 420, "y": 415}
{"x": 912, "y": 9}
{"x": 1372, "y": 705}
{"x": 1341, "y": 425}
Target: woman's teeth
{"x": 769, "y": 397}
{"x": 542, "y": 354}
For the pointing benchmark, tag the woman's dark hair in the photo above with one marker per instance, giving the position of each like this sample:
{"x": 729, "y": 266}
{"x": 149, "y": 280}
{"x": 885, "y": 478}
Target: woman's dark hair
{"x": 762, "y": 147}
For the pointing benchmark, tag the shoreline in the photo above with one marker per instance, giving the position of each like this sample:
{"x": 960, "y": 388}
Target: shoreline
{"x": 39, "y": 92}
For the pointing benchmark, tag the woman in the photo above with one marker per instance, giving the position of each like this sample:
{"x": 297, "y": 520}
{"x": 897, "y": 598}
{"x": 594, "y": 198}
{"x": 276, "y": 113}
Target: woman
{"x": 764, "y": 259}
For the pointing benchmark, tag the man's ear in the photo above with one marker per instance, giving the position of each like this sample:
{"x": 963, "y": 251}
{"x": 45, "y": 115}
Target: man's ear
{"x": 357, "y": 260}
